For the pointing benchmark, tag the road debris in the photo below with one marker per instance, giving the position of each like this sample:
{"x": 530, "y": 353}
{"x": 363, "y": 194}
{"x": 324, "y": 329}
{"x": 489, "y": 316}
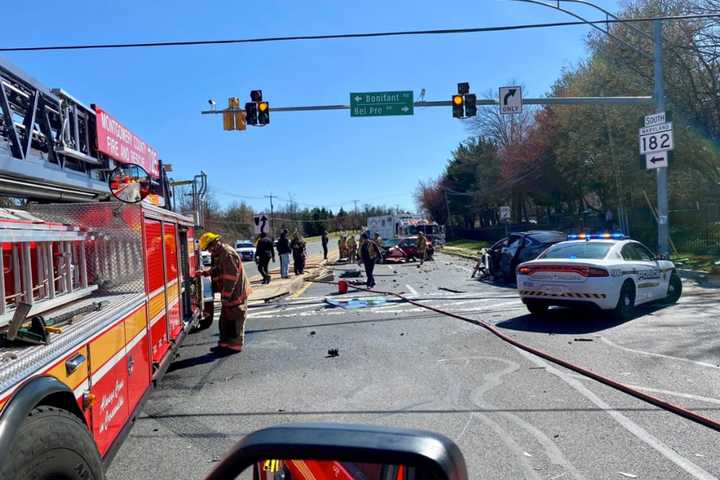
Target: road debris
{"x": 628, "y": 475}
{"x": 356, "y": 302}
{"x": 333, "y": 352}
{"x": 451, "y": 290}
{"x": 350, "y": 274}
{"x": 583, "y": 340}
{"x": 312, "y": 332}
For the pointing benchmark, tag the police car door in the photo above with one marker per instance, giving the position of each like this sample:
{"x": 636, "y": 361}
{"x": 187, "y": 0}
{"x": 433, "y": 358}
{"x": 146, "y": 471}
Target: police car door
{"x": 648, "y": 274}
{"x": 657, "y": 276}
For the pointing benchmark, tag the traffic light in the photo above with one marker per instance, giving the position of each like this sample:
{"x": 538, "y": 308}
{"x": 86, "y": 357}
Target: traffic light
{"x": 463, "y": 88}
{"x": 457, "y": 106}
{"x": 251, "y": 113}
{"x": 263, "y": 113}
{"x": 256, "y": 95}
{"x": 470, "y": 105}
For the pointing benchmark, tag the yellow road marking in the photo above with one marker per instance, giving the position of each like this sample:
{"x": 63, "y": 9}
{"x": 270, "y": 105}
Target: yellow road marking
{"x": 301, "y": 291}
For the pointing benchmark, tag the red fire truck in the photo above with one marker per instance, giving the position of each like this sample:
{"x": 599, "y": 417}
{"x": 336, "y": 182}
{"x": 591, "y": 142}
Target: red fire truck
{"x": 96, "y": 295}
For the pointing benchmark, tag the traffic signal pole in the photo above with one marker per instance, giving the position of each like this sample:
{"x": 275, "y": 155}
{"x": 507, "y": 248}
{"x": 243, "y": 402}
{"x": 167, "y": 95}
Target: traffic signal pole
{"x": 662, "y": 175}
{"x": 638, "y": 100}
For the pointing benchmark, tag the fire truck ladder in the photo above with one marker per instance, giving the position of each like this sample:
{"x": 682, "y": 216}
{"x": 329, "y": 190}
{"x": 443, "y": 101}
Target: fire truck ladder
{"x": 46, "y": 264}
{"x": 47, "y": 143}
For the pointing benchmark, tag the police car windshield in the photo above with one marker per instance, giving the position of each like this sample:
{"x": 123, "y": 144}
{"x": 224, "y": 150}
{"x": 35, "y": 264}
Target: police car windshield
{"x": 586, "y": 250}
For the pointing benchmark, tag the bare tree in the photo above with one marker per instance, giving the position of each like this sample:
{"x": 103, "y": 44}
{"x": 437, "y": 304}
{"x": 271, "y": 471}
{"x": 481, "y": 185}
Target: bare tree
{"x": 503, "y": 130}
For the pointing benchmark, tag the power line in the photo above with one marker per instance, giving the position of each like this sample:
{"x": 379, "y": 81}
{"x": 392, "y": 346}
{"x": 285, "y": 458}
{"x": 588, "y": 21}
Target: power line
{"x": 402, "y": 33}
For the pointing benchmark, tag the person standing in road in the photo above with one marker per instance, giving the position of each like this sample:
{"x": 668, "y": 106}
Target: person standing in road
{"x": 421, "y": 247}
{"x": 228, "y": 273}
{"x": 284, "y": 250}
{"x": 324, "y": 239}
{"x": 299, "y": 252}
{"x": 379, "y": 242}
{"x": 342, "y": 246}
{"x": 264, "y": 251}
{"x": 369, "y": 253}
{"x": 352, "y": 248}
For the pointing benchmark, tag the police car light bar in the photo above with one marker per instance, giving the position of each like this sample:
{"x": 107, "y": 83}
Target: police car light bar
{"x": 597, "y": 236}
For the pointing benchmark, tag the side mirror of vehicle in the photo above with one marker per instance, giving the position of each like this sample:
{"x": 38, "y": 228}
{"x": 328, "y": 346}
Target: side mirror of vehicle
{"x": 129, "y": 183}
{"x": 342, "y": 452}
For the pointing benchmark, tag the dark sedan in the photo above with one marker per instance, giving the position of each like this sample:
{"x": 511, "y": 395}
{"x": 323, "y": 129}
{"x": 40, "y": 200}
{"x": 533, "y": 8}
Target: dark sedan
{"x": 506, "y": 254}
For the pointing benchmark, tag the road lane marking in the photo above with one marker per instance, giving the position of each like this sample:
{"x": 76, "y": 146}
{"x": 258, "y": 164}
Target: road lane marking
{"x": 411, "y": 289}
{"x": 653, "y": 354}
{"x": 632, "y": 427}
{"x": 301, "y": 291}
{"x": 690, "y": 396}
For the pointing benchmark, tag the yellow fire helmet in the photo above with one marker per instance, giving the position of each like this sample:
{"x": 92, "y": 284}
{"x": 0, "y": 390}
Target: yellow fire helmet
{"x": 207, "y": 238}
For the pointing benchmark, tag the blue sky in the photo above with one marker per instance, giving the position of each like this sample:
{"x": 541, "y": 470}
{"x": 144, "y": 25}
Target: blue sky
{"x": 318, "y": 158}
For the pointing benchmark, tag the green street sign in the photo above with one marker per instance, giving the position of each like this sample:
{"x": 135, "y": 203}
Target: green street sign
{"x": 381, "y": 104}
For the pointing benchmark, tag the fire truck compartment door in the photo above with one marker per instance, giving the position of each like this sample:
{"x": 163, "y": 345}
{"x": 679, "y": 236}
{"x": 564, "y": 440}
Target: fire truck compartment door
{"x": 155, "y": 288}
{"x": 172, "y": 286}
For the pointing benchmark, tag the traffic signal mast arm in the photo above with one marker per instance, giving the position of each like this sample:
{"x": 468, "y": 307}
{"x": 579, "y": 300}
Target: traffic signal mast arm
{"x": 639, "y": 100}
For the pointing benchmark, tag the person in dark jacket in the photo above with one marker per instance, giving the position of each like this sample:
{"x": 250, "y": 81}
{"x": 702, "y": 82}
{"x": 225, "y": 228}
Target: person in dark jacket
{"x": 324, "y": 239}
{"x": 264, "y": 251}
{"x": 299, "y": 253}
{"x": 369, "y": 254}
{"x": 284, "y": 250}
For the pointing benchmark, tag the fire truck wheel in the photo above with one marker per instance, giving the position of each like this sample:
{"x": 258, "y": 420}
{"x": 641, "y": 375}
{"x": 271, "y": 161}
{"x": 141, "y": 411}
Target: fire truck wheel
{"x": 53, "y": 444}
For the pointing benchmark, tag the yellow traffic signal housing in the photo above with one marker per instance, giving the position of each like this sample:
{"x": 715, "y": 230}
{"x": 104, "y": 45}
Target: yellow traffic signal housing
{"x": 458, "y": 109}
{"x": 240, "y": 122}
{"x": 233, "y": 117}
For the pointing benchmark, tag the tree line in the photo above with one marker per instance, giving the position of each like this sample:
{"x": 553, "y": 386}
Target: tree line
{"x": 235, "y": 221}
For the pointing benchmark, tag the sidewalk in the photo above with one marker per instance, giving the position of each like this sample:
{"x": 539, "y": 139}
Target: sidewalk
{"x": 278, "y": 287}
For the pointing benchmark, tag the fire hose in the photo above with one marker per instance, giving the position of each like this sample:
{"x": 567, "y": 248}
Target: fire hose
{"x": 667, "y": 406}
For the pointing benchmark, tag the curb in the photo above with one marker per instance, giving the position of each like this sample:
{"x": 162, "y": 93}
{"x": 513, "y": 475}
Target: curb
{"x": 460, "y": 254}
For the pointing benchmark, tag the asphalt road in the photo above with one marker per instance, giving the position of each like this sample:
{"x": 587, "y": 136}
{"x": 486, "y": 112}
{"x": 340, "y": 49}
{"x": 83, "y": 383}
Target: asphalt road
{"x": 512, "y": 414}
{"x": 313, "y": 248}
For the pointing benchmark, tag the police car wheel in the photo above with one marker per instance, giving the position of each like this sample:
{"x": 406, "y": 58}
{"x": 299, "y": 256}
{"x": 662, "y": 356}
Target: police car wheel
{"x": 52, "y": 443}
{"x": 537, "y": 308}
{"x": 626, "y": 302}
{"x": 674, "y": 288}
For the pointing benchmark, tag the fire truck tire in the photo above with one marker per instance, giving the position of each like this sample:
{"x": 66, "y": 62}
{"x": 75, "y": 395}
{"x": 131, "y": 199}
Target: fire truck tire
{"x": 53, "y": 443}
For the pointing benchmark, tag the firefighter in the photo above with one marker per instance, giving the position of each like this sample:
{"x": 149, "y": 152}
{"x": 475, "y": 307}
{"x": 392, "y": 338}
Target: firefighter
{"x": 379, "y": 242}
{"x": 342, "y": 246}
{"x": 352, "y": 248}
{"x": 369, "y": 254}
{"x": 228, "y": 273}
{"x": 421, "y": 247}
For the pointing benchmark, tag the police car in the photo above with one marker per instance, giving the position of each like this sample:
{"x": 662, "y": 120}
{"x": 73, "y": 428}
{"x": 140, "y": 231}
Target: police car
{"x": 608, "y": 271}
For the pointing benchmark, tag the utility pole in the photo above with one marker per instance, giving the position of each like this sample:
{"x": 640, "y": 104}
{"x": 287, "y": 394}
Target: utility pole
{"x": 272, "y": 223}
{"x": 355, "y": 219}
{"x": 660, "y": 106}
